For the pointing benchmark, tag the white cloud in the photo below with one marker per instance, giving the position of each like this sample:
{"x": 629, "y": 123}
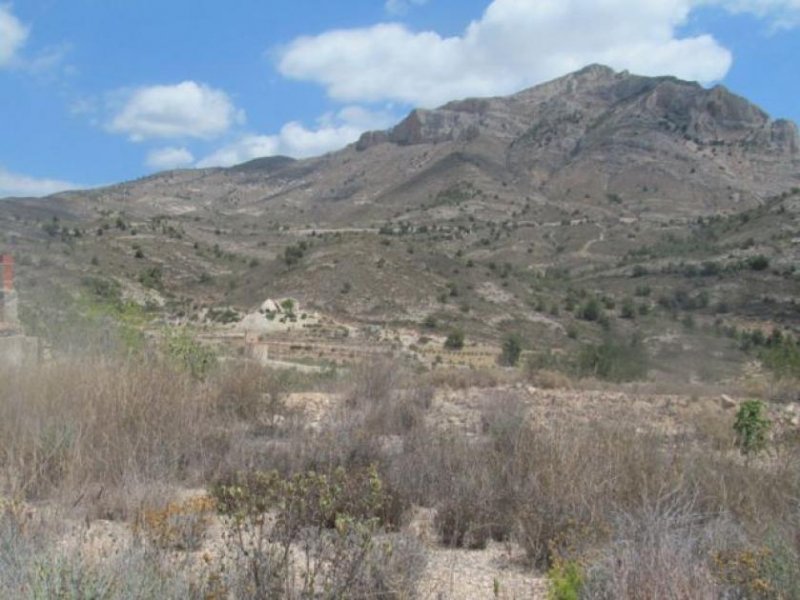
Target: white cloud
{"x": 14, "y": 184}
{"x": 46, "y": 62}
{"x": 781, "y": 13}
{"x": 169, "y": 158}
{"x": 400, "y": 7}
{"x": 333, "y": 131}
{"x": 516, "y": 43}
{"x": 183, "y": 110}
{"x": 245, "y": 148}
{"x": 13, "y": 35}
{"x": 49, "y": 61}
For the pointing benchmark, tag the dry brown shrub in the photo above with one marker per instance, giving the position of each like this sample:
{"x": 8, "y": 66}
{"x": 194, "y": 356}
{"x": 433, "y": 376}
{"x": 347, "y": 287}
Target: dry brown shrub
{"x": 382, "y": 398}
{"x": 71, "y": 426}
{"x": 661, "y": 551}
{"x": 453, "y": 475}
{"x": 714, "y": 428}
{"x": 461, "y": 379}
{"x": 551, "y": 380}
{"x": 248, "y": 392}
{"x": 177, "y": 525}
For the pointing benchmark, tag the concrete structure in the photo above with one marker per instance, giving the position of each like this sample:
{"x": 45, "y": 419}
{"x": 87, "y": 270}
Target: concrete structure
{"x": 15, "y": 348}
{"x": 8, "y": 296}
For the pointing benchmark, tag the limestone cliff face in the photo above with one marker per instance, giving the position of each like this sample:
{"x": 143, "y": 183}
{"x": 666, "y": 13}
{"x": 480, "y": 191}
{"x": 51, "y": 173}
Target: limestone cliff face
{"x": 598, "y": 128}
{"x": 596, "y": 99}
{"x": 669, "y": 146}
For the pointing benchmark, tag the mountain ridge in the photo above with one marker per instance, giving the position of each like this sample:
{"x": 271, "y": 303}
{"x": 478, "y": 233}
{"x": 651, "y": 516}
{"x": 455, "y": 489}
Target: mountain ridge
{"x": 488, "y": 213}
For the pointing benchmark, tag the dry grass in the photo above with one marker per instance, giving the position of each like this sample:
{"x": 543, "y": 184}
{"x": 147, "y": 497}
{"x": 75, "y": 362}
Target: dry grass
{"x": 68, "y": 426}
{"x": 550, "y": 380}
{"x": 463, "y": 378}
{"x": 662, "y": 551}
{"x": 641, "y": 511}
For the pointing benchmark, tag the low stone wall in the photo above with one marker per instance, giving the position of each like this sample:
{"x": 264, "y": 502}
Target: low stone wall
{"x": 18, "y": 350}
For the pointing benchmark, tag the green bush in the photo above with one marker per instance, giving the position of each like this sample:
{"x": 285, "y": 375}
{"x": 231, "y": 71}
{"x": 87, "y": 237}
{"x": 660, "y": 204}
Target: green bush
{"x": 512, "y": 348}
{"x": 614, "y": 360}
{"x": 751, "y": 427}
{"x": 590, "y": 310}
{"x": 455, "y": 341}
{"x": 334, "y": 521}
{"x": 565, "y": 581}
{"x": 293, "y": 254}
{"x": 190, "y": 354}
{"x": 758, "y": 263}
{"x": 152, "y": 278}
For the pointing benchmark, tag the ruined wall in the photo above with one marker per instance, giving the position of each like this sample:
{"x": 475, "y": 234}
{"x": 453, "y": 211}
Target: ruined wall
{"x": 16, "y": 348}
{"x": 8, "y": 296}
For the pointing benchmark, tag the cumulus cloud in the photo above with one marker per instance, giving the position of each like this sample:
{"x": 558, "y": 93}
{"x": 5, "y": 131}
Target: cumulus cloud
{"x": 13, "y": 35}
{"x": 169, "y": 158}
{"x": 14, "y": 184}
{"x": 515, "y": 43}
{"x": 332, "y": 131}
{"x": 400, "y": 7}
{"x": 183, "y": 110}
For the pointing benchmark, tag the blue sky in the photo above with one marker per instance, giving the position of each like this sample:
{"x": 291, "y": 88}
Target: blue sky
{"x": 95, "y": 92}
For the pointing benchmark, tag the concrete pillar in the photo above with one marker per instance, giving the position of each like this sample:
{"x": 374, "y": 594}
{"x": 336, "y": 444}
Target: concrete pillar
{"x": 7, "y": 262}
{"x": 10, "y": 311}
{"x": 9, "y": 296}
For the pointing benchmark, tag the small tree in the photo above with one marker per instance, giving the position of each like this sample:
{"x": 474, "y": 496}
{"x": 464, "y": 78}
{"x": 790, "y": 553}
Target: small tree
{"x": 512, "y": 348}
{"x": 186, "y": 352}
{"x": 455, "y": 341}
{"x": 758, "y": 263}
{"x": 751, "y": 427}
{"x": 590, "y": 311}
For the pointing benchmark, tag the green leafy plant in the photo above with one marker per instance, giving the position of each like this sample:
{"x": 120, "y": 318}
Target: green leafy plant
{"x": 512, "y": 349}
{"x": 152, "y": 277}
{"x": 455, "y": 341}
{"x": 751, "y": 427}
{"x": 566, "y": 581}
{"x": 295, "y": 253}
{"x": 333, "y": 520}
{"x": 190, "y": 354}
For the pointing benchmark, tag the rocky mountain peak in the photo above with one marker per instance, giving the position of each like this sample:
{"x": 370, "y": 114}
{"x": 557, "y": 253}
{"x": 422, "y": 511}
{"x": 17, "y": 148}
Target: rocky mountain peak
{"x": 577, "y": 104}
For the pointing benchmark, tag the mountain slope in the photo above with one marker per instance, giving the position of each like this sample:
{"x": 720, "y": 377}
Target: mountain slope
{"x": 494, "y": 214}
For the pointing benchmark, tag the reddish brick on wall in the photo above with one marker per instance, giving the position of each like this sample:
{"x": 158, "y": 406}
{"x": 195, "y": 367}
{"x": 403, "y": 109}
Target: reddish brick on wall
{"x": 7, "y": 262}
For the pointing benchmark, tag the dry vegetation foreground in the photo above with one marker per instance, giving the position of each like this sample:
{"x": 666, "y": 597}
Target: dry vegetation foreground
{"x": 136, "y": 478}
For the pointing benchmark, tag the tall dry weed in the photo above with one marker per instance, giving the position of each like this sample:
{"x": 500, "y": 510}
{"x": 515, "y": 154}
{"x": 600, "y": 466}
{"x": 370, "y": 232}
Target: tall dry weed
{"x": 70, "y": 425}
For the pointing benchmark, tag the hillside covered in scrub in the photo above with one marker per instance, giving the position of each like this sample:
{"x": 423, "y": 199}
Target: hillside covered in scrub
{"x": 535, "y": 346}
{"x": 600, "y": 202}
